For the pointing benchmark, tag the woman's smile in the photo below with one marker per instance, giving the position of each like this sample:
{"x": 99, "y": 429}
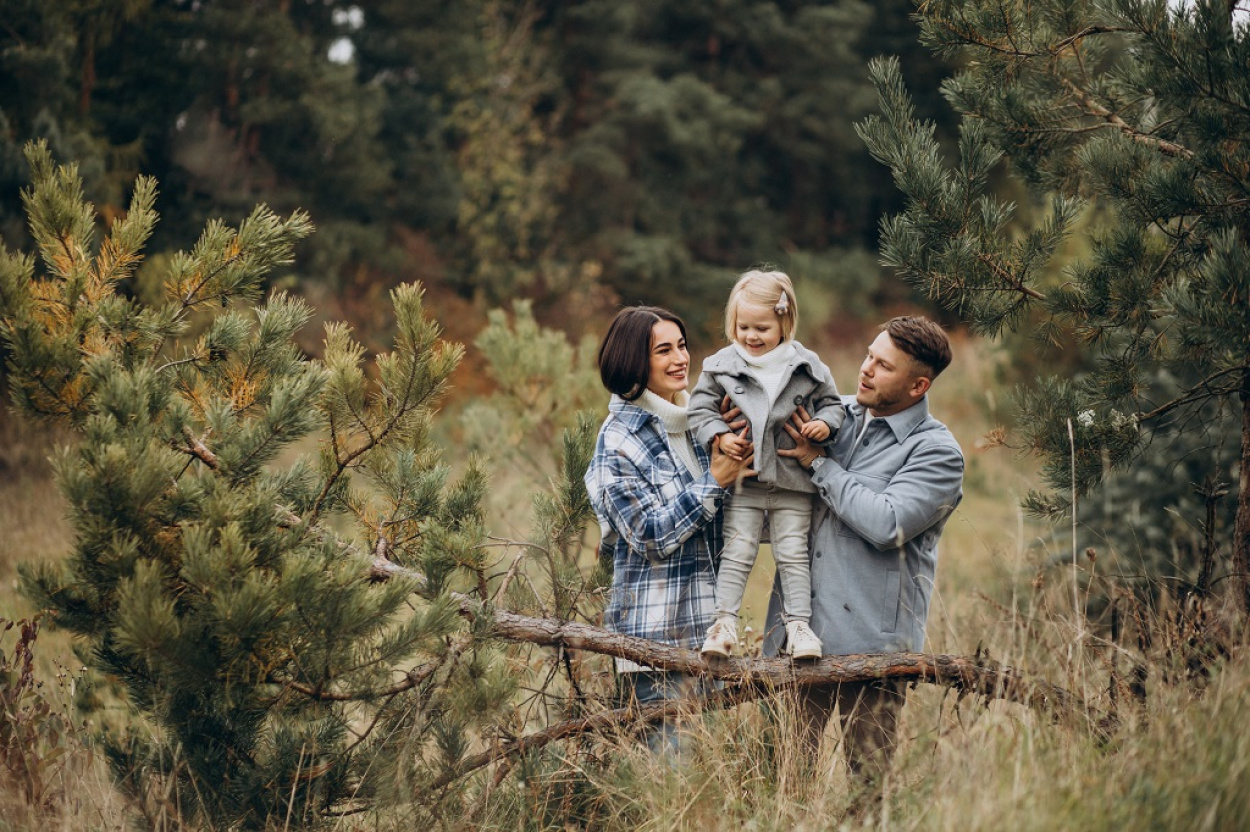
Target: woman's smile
{"x": 670, "y": 362}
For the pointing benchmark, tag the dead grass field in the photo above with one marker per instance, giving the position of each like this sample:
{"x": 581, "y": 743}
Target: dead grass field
{"x": 963, "y": 765}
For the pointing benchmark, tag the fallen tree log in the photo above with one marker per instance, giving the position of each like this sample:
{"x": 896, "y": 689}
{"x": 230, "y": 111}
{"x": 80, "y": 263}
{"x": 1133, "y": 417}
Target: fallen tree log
{"x": 982, "y": 677}
{"x": 747, "y": 679}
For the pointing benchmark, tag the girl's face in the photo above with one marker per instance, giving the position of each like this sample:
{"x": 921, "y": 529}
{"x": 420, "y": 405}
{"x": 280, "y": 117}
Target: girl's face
{"x": 758, "y": 329}
{"x": 670, "y": 362}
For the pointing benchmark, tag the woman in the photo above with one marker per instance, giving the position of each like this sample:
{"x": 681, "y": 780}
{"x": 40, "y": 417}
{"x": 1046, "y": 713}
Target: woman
{"x": 657, "y": 496}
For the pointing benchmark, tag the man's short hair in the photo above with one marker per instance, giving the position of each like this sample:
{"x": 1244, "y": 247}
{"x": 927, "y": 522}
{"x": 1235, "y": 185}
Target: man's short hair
{"x": 625, "y": 354}
{"x": 923, "y": 340}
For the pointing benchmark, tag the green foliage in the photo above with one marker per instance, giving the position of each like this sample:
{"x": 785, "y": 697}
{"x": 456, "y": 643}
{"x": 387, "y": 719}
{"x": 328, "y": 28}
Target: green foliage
{"x": 540, "y": 425}
{"x": 1126, "y": 111}
{"x": 542, "y": 383}
{"x": 220, "y": 573}
{"x": 707, "y": 137}
{"x": 640, "y": 151}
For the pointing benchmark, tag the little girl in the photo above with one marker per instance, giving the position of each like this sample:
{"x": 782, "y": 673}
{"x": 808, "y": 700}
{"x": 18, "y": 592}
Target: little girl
{"x": 769, "y": 375}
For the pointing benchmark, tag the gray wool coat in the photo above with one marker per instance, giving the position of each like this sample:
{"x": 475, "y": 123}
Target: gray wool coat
{"x": 880, "y": 508}
{"x": 808, "y": 383}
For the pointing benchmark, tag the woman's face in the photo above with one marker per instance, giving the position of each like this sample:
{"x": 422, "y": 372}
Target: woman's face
{"x": 758, "y": 330}
{"x": 670, "y": 362}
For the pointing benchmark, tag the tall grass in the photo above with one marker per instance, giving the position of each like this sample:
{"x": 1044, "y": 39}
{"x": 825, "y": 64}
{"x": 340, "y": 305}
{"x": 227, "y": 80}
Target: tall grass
{"x": 1179, "y": 759}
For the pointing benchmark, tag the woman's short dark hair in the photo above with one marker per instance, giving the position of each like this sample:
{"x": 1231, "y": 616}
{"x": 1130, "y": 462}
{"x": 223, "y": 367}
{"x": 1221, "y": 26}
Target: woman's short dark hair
{"x": 625, "y": 354}
{"x": 923, "y": 340}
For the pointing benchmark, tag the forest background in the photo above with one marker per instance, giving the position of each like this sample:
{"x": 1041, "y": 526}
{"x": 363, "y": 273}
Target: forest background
{"x": 537, "y": 165}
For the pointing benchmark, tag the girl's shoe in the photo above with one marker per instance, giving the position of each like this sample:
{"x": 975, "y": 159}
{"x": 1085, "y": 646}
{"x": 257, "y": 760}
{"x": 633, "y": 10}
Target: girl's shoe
{"x": 722, "y": 637}
{"x": 801, "y": 642}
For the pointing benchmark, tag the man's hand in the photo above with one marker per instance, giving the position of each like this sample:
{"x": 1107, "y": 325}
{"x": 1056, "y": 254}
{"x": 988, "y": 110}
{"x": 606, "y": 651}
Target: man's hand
{"x": 804, "y": 450}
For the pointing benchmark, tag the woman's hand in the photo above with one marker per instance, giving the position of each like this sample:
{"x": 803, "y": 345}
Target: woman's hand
{"x": 804, "y": 450}
{"x": 726, "y": 469}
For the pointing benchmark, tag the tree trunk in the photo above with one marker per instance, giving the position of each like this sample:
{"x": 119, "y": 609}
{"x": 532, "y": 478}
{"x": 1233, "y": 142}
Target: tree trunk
{"x": 87, "y": 79}
{"x": 1241, "y": 529}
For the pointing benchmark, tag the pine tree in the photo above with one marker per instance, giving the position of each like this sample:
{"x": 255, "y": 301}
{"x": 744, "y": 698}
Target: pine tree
{"x": 1129, "y": 116}
{"x": 704, "y": 137}
{"x": 228, "y": 594}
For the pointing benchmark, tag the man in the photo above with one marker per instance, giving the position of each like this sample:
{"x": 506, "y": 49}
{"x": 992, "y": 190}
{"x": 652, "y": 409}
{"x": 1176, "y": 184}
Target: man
{"x": 885, "y": 488}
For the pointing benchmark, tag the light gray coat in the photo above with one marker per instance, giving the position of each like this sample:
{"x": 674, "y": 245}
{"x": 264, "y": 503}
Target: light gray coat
{"x": 808, "y": 383}
{"x": 880, "y": 510}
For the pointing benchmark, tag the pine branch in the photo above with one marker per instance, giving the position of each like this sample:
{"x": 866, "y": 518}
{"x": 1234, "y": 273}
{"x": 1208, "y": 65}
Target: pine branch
{"x": 198, "y": 450}
{"x": 1013, "y": 282}
{"x": 1196, "y": 393}
{"x": 971, "y": 37}
{"x": 412, "y": 679}
{"x": 1093, "y": 108}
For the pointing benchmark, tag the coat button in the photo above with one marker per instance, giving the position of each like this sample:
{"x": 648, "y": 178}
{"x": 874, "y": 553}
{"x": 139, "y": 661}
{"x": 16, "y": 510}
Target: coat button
{"x": 798, "y": 399}
{"x": 818, "y": 554}
{"x": 739, "y": 389}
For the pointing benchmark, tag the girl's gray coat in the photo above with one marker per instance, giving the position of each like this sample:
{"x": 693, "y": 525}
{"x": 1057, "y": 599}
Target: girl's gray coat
{"x": 808, "y": 383}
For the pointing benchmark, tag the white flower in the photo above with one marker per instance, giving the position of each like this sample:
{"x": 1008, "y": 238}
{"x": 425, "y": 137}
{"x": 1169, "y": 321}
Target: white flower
{"x": 1085, "y": 418}
{"x": 1120, "y": 420}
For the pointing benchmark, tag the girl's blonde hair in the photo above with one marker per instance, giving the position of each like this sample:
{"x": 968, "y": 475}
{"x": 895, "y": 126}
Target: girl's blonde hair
{"x": 760, "y": 288}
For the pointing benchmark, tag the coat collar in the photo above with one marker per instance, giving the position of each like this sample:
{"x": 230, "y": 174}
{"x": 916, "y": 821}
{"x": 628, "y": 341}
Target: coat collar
{"x": 901, "y": 424}
{"x": 728, "y": 360}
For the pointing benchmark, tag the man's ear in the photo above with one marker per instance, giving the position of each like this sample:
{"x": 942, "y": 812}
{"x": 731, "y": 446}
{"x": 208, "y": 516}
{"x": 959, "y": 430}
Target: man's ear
{"x": 920, "y": 385}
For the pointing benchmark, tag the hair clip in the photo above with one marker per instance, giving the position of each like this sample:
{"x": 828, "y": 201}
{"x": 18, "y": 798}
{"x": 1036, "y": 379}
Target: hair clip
{"x": 783, "y": 304}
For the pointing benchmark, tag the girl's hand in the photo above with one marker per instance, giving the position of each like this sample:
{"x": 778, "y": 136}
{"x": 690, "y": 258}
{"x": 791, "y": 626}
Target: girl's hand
{"x": 726, "y": 469}
{"x": 815, "y": 430}
{"x": 735, "y": 445}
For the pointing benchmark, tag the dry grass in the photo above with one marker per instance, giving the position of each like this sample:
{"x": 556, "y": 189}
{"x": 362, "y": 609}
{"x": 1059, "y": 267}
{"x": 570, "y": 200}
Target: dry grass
{"x": 1181, "y": 761}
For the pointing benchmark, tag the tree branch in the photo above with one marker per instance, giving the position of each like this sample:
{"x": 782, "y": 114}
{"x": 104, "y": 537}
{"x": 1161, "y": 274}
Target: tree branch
{"x": 752, "y": 678}
{"x": 973, "y": 675}
{"x": 1094, "y": 108}
{"x": 1196, "y": 392}
{"x": 636, "y": 714}
{"x": 196, "y": 449}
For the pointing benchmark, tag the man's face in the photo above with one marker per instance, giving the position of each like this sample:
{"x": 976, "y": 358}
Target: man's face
{"x": 889, "y": 380}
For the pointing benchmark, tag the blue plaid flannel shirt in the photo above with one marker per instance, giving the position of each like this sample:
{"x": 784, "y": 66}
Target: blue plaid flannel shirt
{"x": 660, "y": 526}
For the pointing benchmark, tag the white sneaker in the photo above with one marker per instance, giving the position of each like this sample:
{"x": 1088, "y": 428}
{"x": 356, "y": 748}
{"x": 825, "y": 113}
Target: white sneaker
{"x": 801, "y": 642}
{"x": 722, "y": 637}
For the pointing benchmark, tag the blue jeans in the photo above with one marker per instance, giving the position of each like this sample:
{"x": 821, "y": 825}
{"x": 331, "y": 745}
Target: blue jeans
{"x": 644, "y": 686}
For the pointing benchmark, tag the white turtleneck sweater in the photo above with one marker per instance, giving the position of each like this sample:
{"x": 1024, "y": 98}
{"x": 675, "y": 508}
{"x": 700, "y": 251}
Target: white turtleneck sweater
{"x": 673, "y": 417}
{"x": 770, "y": 368}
